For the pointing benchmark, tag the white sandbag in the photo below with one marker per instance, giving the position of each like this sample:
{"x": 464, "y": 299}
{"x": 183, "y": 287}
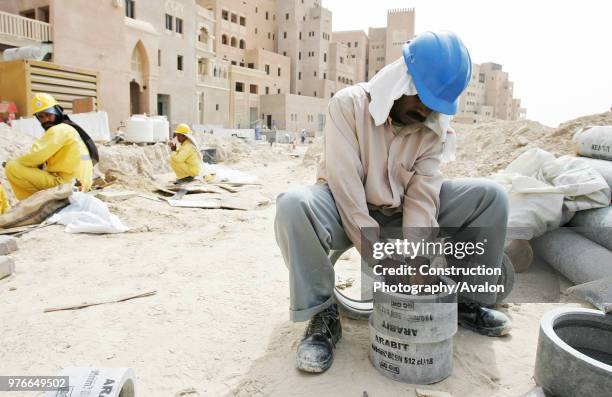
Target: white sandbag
{"x": 595, "y": 224}
{"x": 573, "y": 255}
{"x": 540, "y": 188}
{"x": 595, "y": 142}
{"x": 87, "y": 214}
{"x": 598, "y": 293}
{"x": 604, "y": 167}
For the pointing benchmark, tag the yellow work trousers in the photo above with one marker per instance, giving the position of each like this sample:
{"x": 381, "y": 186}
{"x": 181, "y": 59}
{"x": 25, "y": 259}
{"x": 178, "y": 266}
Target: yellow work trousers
{"x": 183, "y": 170}
{"x": 4, "y": 203}
{"x": 26, "y": 181}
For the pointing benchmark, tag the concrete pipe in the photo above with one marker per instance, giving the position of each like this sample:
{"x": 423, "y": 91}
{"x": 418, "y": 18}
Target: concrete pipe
{"x": 595, "y": 224}
{"x": 574, "y": 356}
{"x": 416, "y": 363}
{"x": 573, "y": 255}
{"x": 416, "y": 318}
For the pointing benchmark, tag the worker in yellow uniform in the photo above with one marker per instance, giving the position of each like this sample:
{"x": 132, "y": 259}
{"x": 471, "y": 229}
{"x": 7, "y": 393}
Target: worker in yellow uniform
{"x": 186, "y": 159}
{"x": 4, "y": 203}
{"x": 63, "y": 153}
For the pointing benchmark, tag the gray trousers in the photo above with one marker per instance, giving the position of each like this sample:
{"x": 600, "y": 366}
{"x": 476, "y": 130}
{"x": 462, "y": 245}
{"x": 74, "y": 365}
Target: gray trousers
{"x": 308, "y": 227}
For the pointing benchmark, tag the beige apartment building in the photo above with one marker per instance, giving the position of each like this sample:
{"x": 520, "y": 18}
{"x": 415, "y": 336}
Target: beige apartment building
{"x": 215, "y": 62}
{"x": 489, "y": 94}
{"x": 318, "y": 68}
{"x": 356, "y": 42}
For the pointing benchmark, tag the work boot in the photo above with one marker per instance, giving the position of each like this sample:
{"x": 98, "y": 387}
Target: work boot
{"x": 186, "y": 179}
{"x": 483, "y": 320}
{"x": 315, "y": 353}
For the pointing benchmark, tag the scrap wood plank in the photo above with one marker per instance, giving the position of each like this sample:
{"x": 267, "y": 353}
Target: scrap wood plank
{"x": 13, "y": 230}
{"x": 84, "y": 305}
{"x": 204, "y": 204}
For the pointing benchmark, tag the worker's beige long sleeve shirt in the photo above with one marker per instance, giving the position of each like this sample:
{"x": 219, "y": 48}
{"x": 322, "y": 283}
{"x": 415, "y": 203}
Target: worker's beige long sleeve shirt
{"x": 370, "y": 167}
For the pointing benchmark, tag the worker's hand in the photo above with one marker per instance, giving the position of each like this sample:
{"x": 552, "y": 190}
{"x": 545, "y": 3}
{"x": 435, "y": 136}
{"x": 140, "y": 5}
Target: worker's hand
{"x": 4, "y": 164}
{"x": 171, "y": 145}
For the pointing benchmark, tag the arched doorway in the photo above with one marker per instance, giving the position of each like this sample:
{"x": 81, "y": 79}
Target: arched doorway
{"x": 139, "y": 76}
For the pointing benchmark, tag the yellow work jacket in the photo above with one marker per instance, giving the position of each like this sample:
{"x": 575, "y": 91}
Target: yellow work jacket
{"x": 63, "y": 154}
{"x": 187, "y": 154}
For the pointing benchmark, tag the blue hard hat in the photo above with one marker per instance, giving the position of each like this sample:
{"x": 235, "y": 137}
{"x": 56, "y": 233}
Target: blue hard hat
{"x": 441, "y": 68}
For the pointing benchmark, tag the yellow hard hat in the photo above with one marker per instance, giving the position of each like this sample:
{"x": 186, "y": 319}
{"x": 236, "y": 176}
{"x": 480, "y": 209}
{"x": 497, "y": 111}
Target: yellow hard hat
{"x": 182, "y": 129}
{"x": 42, "y": 101}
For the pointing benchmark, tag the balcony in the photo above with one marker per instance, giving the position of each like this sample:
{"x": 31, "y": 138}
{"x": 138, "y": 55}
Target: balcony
{"x": 217, "y": 82}
{"x": 18, "y": 31}
{"x": 206, "y": 14}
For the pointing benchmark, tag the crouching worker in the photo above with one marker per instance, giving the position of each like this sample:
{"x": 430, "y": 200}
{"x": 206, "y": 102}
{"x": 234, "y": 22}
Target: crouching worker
{"x": 381, "y": 169}
{"x": 63, "y": 153}
{"x": 186, "y": 159}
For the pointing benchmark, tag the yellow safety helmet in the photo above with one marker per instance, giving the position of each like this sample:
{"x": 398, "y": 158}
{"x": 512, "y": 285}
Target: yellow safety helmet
{"x": 182, "y": 129}
{"x": 42, "y": 101}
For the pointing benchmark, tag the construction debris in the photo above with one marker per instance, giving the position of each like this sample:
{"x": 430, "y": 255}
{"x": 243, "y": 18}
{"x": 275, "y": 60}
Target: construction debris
{"x": 84, "y": 305}
{"x": 7, "y": 266}
{"x": 7, "y": 245}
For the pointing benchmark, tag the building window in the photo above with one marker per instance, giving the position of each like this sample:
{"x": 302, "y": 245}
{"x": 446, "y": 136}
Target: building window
{"x": 158, "y": 57}
{"x": 349, "y": 44}
{"x": 267, "y": 16}
{"x": 315, "y": 73}
{"x": 300, "y": 55}
{"x": 325, "y": 57}
{"x": 284, "y": 53}
{"x": 225, "y": 15}
{"x": 224, "y": 39}
{"x": 242, "y": 21}
{"x": 234, "y": 63}
{"x": 179, "y": 62}
{"x": 269, "y": 35}
{"x": 255, "y": 30}
{"x": 279, "y": 72}
{"x": 251, "y": 65}
{"x": 241, "y": 64}
{"x": 129, "y": 9}
{"x": 233, "y": 42}
{"x": 299, "y": 75}
{"x": 356, "y": 44}
{"x": 341, "y": 60}
{"x": 279, "y": 90}
{"x": 239, "y": 87}
{"x": 287, "y": 16}
{"x": 315, "y": 93}
{"x": 168, "y": 22}
{"x": 234, "y": 18}
{"x": 179, "y": 25}
{"x": 300, "y": 35}
{"x": 284, "y": 35}
{"x": 267, "y": 68}
{"x": 267, "y": 90}
{"x": 242, "y": 44}
{"x": 253, "y": 88}
{"x": 324, "y": 76}
{"x": 331, "y": 95}
{"x": 217, "y": 107}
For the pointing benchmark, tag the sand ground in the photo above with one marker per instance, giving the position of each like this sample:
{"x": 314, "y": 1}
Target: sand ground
{"x": 219, "y": 323}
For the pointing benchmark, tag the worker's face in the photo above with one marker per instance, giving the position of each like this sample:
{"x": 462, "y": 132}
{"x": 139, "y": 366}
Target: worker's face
{"x": 47, "y": 120}
{"x": 180, "y": 137}
{"x": 409, "y": 109}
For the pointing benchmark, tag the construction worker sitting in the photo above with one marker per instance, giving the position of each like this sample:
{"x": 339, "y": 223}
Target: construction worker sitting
{"x": 4, "y": 203}
{"x": 63, "y": 153}
{"x": 186, "y": 159}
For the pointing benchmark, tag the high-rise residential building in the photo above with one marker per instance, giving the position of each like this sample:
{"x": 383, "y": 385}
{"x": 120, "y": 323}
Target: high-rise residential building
{"x": 318, "y": 68}
{"x": 232, "y": 63}
{"x": 489, "y": 94}
{"x": 356, "y": 42}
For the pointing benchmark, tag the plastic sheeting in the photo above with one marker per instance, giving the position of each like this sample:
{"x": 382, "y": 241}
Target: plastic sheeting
{"x": 87, "y": 214}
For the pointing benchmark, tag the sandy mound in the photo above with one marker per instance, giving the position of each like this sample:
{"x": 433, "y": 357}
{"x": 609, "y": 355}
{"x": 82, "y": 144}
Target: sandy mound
{"x": 489, "y": 146}
{"x": 314, "y": 153}
{"x": 230, "y": 150}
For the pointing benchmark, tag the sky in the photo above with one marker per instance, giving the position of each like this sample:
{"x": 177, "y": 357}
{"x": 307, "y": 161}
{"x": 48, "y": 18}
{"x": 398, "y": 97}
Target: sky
{"x": 557, "y": 53}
